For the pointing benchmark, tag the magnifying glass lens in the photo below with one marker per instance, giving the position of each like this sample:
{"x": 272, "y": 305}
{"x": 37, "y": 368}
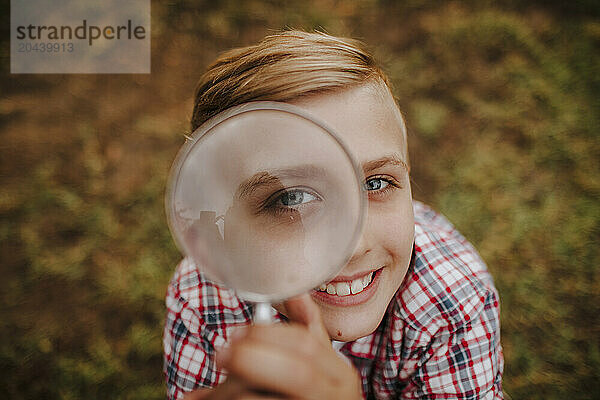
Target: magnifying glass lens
{"x": 266, "y": 201}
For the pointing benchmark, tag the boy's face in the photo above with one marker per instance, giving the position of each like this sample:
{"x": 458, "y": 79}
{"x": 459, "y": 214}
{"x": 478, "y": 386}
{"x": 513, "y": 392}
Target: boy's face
{"x": 367, "y": 120}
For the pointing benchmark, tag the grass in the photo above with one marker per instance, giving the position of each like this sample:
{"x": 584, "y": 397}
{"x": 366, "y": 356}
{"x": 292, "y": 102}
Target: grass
{"x": 502, "y": 107}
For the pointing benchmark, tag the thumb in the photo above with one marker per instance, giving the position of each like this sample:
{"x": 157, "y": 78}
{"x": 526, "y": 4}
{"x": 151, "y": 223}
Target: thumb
{"x": 198, "y": 394}
{"x": 303, "y": 310}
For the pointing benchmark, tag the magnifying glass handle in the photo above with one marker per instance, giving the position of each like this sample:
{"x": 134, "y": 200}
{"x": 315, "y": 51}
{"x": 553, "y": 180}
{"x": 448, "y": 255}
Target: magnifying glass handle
{"x": 262, "y": 314}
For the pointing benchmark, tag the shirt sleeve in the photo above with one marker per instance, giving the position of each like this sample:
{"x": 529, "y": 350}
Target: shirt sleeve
{"x": 464, "y": 363}
{"x": 188, "y": 357}
{"x": 201, "y": 316}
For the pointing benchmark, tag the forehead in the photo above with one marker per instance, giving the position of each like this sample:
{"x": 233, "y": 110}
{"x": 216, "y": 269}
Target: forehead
{"x": 365, "y": 117}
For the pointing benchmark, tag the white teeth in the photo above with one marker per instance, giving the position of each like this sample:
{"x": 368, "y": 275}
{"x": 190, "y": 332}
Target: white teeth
{"x": 367, "y": 279}
{"x": 330, "y": 288}
{"x": 345, "y": 288}
{"x": 357, "y": 286}
{"x": 342, "y": 288}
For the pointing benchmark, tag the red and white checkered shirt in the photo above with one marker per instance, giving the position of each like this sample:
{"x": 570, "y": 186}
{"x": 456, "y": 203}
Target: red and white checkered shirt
{"x": 439, "y": 339}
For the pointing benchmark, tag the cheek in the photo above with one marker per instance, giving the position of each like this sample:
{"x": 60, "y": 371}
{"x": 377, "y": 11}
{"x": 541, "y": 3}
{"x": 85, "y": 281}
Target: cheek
{"x": 398, "y": 234}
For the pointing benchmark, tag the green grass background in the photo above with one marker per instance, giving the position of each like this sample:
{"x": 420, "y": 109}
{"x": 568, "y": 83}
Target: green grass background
{"x": 501, "y": 99}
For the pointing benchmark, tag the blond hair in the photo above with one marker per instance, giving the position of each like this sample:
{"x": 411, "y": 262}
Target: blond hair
{"x": 283, "y": 67}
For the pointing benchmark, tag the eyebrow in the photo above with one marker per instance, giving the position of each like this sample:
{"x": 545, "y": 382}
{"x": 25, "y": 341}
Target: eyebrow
{"x": 274, "y": 177}
{"x": 392, "y": 159}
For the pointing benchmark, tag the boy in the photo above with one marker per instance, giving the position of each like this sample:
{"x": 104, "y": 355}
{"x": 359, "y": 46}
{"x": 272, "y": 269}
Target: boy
{"x": 424, "y": 321}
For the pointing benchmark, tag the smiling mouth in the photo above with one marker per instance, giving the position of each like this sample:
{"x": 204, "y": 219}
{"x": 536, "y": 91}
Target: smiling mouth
{"x": 347, "y": 287}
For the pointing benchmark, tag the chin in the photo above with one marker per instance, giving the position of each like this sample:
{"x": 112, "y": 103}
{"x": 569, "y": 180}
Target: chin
{"x": 350, "y": 326}
{"x": 350, "y": 323}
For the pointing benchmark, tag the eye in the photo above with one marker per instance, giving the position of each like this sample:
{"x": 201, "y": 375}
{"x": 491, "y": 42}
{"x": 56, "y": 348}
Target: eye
{"x": 295, "y": 197}
{"x": 293, "y": 200}
{"x": 380, "y": 188}
{"x": 376, "y": 184}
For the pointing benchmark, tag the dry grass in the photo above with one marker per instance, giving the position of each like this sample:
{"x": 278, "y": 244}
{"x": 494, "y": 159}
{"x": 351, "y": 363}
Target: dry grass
{"x": 501, "y": 101}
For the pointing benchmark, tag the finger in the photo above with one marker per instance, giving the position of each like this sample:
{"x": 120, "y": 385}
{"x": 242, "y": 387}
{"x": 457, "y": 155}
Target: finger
{"x": 258, "y": 396}
{"x": 229, "y": 394}
{"x": 198, "y": 394}
{"x": 222, "y": 352}
{"x": 232, "y": 388}
{"x": 264, "y": 367}
{"x": 303, "y": 310}
{"x": 296, "y": 339}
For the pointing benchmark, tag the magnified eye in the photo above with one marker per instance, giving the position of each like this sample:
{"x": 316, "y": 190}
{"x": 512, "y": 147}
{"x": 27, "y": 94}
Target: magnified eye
{"x": 291, "y": 200}
{"x": 376, "y": 184}
{"x": 294, "y": 197}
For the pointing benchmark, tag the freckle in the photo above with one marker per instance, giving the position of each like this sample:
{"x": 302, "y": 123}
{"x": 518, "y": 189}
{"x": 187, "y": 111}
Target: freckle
{"x": 339, "y": 333}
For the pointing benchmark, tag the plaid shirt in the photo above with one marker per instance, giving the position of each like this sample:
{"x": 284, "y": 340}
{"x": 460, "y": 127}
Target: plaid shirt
{"x": 439, "y": 339}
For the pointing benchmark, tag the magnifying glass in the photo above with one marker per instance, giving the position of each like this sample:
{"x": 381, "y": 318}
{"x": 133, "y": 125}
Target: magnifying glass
{"x": 266, "y": 200}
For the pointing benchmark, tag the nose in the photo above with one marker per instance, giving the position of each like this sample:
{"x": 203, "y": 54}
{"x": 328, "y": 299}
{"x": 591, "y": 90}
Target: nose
{"x": 366, "y": 241}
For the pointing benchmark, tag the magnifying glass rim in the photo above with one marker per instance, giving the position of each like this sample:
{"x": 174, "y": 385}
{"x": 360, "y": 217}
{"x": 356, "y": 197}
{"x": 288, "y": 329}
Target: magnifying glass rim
{"x": 202, "y": 130}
